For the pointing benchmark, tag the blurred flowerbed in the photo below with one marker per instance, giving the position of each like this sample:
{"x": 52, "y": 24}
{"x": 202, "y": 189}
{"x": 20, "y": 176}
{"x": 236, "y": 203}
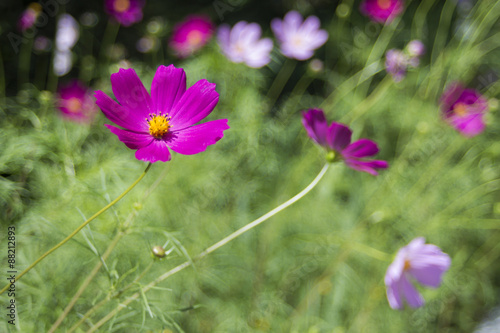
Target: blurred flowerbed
{"x": 238, "y": 104}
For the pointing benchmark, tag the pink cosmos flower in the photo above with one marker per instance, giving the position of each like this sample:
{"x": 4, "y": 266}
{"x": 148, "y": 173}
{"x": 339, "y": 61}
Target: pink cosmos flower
{"x": 382, "y": 11}
{"x": 166, "y": 118}
{"x": 396, "y": 63}
{"x": 126, "y": 12}
{"x": 29, "y": 16}
{"x": 425, "y": 263}
{"x": 298, "y": 39}
{"x": 336, "y": 139}
{"x": 76, "y": 103}
{"x": 242, "y": 43}
{"x": 464, "y": 109}
{"x": 191, "y": 35}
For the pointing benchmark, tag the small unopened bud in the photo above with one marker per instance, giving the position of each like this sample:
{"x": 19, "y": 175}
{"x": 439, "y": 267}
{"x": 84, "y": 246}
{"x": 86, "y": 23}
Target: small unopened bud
{"x": 316, "y": 65}
{"x": 158, "y": 251}
{"x": 330, "y": 156}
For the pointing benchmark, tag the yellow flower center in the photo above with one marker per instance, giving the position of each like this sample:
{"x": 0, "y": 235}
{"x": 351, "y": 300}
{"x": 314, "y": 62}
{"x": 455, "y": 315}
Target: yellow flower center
{"x": 384, "y": 4}
{"x": 121, "y": 5}
{"x": 194, "y": 37}
{"x": 460, "y": 109}
{"x": 74, "y": 105}
{"x": 158, "y": 125}
{"x": 407, "y": 265}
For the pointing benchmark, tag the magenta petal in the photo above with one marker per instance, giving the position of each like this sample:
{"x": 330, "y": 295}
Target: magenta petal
{"x": 195, "y": 139}
{"x": 131, "y": 139}
{"x": 156, "y": 151}
{"x": 339, "y": 136}
{"x": 361, "y": 148}
{"x": 119, "y": 115}
{"x": 169, "y": 84}
{"x": 196, "y": 103}
{"x": 130, "y": 92}
{"x": 470, "y": 125}
{"x": 316, "y": 125}
{"x": 366, "y": 166}
{"x": 411, "y": 295}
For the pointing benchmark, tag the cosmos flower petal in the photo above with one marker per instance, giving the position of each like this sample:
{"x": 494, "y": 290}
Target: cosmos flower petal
{"x": 125, "y": 12}
{"x": 366, "y": 166}
{"x": 469, "y": 126}
{"x": 361, "y": 148}
{"x": 130, "y": 92}
{"x": 338, "y": 136}
{"x": 196, "y": 103}
{"x": 277, "y": 28}
{"x": 195, "y": 139}
{"x": 429, "y": 269}
{"x": 393, "y": 294}
{"x": 424, "y": 263}
{"x": 411, "y": 295}
{"x": 119, "y": 115}
{"x": 169, "y": 84}
{"x": 316, "y": 125}
{"x": 132, "y": 140}
{"x": 156, "y": 151}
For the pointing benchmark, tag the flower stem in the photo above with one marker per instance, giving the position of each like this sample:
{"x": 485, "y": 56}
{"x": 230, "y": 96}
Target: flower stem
{"x": 76, "y": 230}
{"x": 280, "y": 81}
{"x": 106, "y": 254}
{"x": 212, "y": 248}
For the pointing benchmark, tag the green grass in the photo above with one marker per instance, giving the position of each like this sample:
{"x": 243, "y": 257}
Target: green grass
{"x": 316, "y": 267}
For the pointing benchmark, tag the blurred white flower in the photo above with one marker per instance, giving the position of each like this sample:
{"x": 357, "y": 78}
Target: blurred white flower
{"x": 63, "y": 61}
{"x": 67, "y": 32}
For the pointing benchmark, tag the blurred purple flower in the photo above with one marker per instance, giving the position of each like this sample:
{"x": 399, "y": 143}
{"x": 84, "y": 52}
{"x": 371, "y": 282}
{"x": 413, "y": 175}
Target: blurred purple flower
{"x": 166, "y": 118}
{"x": 242, "y": 43}
{"x": 67, "y": 32}
{"x": 464, "y": 109}
{"x": 298, "y": 39}
{"x": 126, "y": 12}
{"x": 191, "y": 35}
{"x": 336, "y": 139}
{"x": 396, "y": 63}
{"x": 76, "y": 103}
{"x": 29, "y": 16}
{"x": 382, "y": 11}
{"x": 418, "y": 261}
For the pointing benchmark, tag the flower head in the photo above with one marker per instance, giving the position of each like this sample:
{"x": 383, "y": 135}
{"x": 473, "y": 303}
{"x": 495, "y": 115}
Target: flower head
{"x": 464, "y": 109}
{"x": 166, "y": 118}
{"x": 381, "y": 11}
{"x": 298, "y": 39}
{"x": 242, "y": 43}
{"x": 418, "y": 261}
{"x": 29, "y": 16}
{"x": 76, "y": 103}
{"x": 336, "y": 138}
{"x": 191, "y": 35}
{"x": 126, "y": 12}
{"x": 396, "y": 63}
{"x": 415, "y": 49}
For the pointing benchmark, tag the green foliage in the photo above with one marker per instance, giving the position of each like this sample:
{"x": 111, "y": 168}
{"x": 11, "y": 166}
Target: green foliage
{"x": 316, "y": 267}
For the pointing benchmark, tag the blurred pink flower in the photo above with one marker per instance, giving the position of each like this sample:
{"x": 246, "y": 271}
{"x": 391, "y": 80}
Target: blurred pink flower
{"x": 425, "y": 263}
{"x": 29, "y": 16}
{"x": 191, "y": 35}
{"x": 464, "y": 109}
{"x": 76, "y": 103}
{"x": 242, "y": 43}
{"x": 298, "y": 38}
{"x": 336, "y": 139}
{"x": 126, "y": 12}
{"x": 382, "y": 11}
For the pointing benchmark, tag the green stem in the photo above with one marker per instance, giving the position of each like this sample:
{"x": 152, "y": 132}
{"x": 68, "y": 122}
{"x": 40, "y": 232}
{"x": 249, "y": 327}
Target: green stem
{"x": 109, "y": 38}
{"x": 212, "y": 248}
{"x": 24, "y": 63}
{"x": 77, "y": 230}
{"x": 280, "y": 81}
